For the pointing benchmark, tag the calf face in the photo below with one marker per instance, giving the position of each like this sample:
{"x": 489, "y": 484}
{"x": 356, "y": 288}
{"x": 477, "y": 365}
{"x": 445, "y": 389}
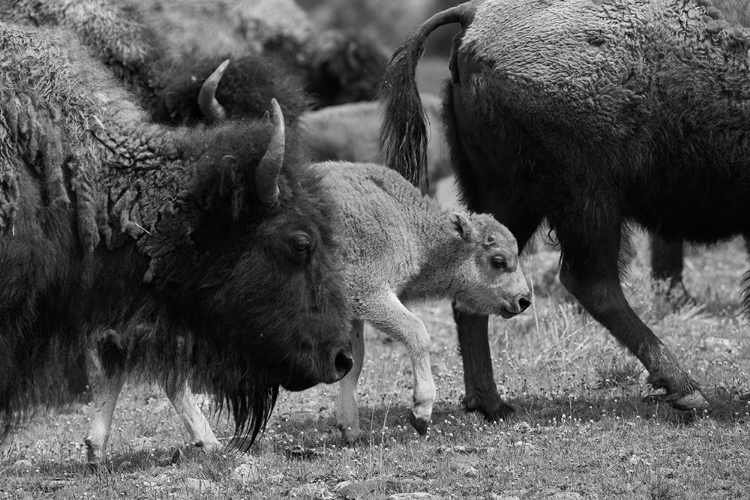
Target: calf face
{"x": 489, "y": 280}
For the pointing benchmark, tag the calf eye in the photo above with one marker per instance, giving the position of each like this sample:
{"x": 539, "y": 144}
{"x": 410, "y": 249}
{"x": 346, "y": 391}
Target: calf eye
{"x": 499, "y": 262}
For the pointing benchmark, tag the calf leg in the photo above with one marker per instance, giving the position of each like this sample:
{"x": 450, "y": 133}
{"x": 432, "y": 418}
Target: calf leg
{"x": 196, "y": 425}
{"x": 589, "y": 271}
{"x": 389, "y": 315}
{"x": 347, "y": 411}
{"x": 105, "y": 399}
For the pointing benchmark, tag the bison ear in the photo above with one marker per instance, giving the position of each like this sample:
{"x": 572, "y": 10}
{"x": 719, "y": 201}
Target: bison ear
{"x": 463, "y": 225}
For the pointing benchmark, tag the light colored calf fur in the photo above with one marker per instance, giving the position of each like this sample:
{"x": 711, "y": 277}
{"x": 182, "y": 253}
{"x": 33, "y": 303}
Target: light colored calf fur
{"x": 398, "y": 246}
{"x": 350, "y": 132}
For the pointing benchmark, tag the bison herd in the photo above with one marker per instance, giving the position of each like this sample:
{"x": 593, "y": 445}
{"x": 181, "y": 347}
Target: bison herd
{"x": 190, "y": 191}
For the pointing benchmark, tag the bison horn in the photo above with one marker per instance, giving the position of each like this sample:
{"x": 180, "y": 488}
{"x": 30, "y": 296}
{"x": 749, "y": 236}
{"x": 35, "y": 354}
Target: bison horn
{"x": 267, "y": 174}
{"x": 207, "y": 102}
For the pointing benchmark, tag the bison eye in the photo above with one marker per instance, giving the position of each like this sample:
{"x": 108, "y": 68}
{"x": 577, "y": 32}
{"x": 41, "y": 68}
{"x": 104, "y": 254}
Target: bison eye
{"x": 498, "y": 262}
{"x": 301, "y": 243}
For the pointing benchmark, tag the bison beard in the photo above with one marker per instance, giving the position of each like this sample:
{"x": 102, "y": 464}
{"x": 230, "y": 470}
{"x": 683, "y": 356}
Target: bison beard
{"x": 634, "y": 117}
{"x": 163, "y": 235}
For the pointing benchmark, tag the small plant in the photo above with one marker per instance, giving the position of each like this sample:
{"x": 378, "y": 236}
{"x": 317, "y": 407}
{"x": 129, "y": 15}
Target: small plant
{"x": 618, "y": 373}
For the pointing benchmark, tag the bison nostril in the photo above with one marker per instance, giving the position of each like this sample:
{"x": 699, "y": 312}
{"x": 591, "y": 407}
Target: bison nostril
{"x": 343, "y": 363}
{"x": 523, "y": 303}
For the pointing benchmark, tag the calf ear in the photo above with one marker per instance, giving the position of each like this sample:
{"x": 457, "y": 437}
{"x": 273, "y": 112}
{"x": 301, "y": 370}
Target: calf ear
{"x": 463, "y": 225}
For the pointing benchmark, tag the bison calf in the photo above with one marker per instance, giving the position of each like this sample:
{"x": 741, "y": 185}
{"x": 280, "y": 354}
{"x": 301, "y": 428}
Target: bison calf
{"x": 400, "y": 247}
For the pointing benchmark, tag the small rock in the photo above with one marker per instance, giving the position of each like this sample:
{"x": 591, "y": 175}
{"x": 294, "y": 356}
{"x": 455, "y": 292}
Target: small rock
{"x": 275, "y": 478}
{"x": 469, "y": 471}
{"x": 22, "y": 464}
{"x": 342, "y": 484}
{"x": 246, "y": 473}
{"x": 311, "y": 490}
{"x": 417, "y": 495}
{"x": 199, "y": 484}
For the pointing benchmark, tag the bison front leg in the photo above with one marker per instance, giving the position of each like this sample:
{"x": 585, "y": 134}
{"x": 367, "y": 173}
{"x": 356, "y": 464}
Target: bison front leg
{"x": 390, "y": 316}
{"x": 347, "y": 411}
{"x": 481, "y": 390}
{"x": 589, "y": 271}
{"x": 198, "y": 429}
{"x": 105, "y": 398}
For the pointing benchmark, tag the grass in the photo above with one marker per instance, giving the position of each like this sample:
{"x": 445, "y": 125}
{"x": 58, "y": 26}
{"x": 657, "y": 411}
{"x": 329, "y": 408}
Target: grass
{"x": 581, "y": 426}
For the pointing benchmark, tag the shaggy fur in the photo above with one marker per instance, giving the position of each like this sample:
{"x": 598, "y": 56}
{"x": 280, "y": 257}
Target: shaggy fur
{"x": 588, "y": 115}
{"x": 243, "y": 91}
{"x": 163, "y": 227}
{"x": 337, "y": 67}
{"x": 157, "y": 46}
{"x": 350, "y": 132}
{"x": 667, "y": 255}
{"x": 118, "y": 36}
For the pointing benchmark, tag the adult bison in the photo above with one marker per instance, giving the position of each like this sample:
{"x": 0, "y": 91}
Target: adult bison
{"x": 589, "y": 114}
{"x": 667, "y": 255}
{"x": 109, "y": 223}
{"x": 152, "y": 45}
{"x": 336, "y": 66}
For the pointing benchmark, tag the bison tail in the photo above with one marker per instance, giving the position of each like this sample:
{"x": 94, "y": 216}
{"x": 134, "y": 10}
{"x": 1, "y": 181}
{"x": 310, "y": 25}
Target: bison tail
{"x": 403, "y": 134}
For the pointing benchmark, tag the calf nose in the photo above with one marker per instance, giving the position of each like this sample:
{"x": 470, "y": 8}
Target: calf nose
{"x": 523, "y": 302}
{"x": 342, "y": 363}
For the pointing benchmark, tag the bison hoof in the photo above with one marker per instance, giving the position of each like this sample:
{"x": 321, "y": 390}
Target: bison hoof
{"x": 493, "y": 409}
{"x": 693, "y": 401}
{"x": 419, "y": 424}
{"x": 689, "y": 402}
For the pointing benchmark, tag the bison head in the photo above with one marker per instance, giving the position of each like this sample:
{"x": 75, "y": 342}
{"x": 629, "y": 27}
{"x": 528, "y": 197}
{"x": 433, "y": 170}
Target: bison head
{"x": 267, "y": 297}
{"x": 209, "y": 90}
{"x": 346, "y": 67}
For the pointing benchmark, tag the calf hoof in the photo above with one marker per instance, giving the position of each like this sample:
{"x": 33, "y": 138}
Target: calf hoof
{"x": 94, "y": 457}
{"x": 350, "y": 436}
{"x": 493, "y": 409}
{"x": 208, "y": 446}
{"x": 419, "y": 424}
